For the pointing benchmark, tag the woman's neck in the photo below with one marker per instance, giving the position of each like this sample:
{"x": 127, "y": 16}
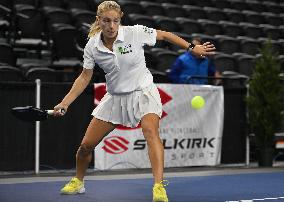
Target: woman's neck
{"x": 108, "y": 42}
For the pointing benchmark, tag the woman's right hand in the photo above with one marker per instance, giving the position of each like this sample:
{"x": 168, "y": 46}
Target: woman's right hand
{"x": 60, "y": 109}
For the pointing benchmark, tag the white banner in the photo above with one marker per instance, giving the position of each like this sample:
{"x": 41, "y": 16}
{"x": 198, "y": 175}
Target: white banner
{"x": 191, "y": 137}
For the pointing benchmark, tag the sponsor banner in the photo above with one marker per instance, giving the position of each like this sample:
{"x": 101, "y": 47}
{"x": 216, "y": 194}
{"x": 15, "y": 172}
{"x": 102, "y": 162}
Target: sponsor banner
{"x": 190, "y": 137}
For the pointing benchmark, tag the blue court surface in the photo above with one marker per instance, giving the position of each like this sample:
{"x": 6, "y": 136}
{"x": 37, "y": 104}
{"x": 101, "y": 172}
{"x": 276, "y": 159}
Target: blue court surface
{"x": 221, "y": 186}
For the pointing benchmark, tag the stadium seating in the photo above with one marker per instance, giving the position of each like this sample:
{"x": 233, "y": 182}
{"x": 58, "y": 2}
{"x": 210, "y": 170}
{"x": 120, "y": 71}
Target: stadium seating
{"x": 80, "y": 16}
{"x": 6, "y": 54}
{"x": 43, "y": 73}
{"x": 238, "y": 29}
{"x": 129, "y": 7}
{"x": 254, "y": 17}
{"x": 152, "y": 8}
{"x": 239, "y": 5}
{"x": 273, "y": 7}
{"x": 71, "y": 4}
{"x": 221, "y": 4}
{"x": 165, "y": 59}
{"x": 195, "y": 12}
{"x": 173, "y": 10}
{"x": 224, "y": 62}
{"x": 82, "y": 35}
{"x": 26, "y": 35}
{"x": 235, "y": 15}
{"x": 249, "y": 45}
{"x": 10, "y": 73}
{"x": 160, "y": 77}
{"x": 215, "y": 14}
{"x": 228, "y": 44}
{"x": 203, "y": 3}
{"x": 251, "y": 30}
{"x": 231, "y": 29}
{"x": 188, "y": 26}
{"x": 257, "y": 6}
{"x": 54, "y": 15}
{"x": 51, "y": 3}
{"x": 245, "y": 64}
{"x": 273, "y": 19}
{"x": 271, "y": 31}
{"x": 141, "y": 20}
{"x": 28, "y": 2}
{"x": 166, "y": 23}
{"x": 151, "y": 60}
{"x": 210, "y": 27}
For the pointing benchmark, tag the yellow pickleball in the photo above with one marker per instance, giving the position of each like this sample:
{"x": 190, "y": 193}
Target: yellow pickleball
{"x": 197, "y": 102}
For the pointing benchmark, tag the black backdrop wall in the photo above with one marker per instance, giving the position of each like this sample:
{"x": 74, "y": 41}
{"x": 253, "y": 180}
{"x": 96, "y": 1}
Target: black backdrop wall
{"x": 235, "y": 127}
{"x": 61, "y": 137}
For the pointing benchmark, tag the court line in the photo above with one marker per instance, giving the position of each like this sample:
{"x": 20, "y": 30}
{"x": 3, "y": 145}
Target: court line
{"x": 259, "y": 199}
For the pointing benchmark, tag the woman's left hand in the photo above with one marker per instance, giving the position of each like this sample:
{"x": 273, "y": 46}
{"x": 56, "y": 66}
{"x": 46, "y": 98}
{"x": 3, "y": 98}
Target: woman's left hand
{"x": 204, "y": 50}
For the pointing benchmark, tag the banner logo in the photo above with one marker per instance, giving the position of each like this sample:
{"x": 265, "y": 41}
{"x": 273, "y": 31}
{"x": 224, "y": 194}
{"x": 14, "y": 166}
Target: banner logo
{"x": 115, "y": 145}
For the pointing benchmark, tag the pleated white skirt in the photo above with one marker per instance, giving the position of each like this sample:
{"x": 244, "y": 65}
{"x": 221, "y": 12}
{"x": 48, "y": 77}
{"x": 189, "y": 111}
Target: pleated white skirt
{"x": 128, "y": 109}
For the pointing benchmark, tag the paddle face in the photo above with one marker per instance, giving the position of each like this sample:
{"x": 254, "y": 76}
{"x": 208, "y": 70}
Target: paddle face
{"x": 29, "y": 113}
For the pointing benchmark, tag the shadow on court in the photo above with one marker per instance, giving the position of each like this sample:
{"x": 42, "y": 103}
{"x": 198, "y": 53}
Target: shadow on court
{"x": 219, "y": 188}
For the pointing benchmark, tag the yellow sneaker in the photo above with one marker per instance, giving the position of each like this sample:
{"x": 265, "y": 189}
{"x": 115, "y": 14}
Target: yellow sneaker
{"x": 159, "y": 192}
{"x": 75, "y": 186}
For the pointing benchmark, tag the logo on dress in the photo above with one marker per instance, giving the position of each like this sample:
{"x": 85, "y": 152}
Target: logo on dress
{"x": 124, "y": 49}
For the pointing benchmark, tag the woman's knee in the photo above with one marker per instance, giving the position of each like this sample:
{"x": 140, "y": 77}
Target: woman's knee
{"x": 85, "y": 150}
{"x": 151, "y": 134}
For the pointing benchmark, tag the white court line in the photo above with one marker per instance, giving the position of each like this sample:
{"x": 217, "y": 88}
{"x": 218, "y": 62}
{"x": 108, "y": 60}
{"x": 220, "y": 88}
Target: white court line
{"x": 264, "y": 199}
{"x": 259, "y": 199}
{"x": 271, "y": 198}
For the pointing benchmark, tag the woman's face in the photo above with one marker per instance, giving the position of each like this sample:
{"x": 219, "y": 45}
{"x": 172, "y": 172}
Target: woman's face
{"x": 109, "y": 22}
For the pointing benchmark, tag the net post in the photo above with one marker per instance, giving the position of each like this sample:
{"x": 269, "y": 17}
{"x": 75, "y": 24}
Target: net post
{"x": 37, "y": 128}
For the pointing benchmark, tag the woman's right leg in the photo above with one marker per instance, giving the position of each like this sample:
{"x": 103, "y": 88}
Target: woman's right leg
{"x": 96, "y": 131}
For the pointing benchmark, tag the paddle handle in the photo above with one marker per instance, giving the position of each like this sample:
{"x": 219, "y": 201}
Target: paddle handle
{"x": 51, "y": 112}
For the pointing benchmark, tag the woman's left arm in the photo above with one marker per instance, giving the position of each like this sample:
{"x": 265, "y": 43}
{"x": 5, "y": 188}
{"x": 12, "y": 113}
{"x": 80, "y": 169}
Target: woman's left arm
{"x": 199, "y": 50}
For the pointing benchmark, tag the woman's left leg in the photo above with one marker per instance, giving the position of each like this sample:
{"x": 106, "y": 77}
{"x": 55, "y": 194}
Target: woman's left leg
{"x": 150, "y": 129}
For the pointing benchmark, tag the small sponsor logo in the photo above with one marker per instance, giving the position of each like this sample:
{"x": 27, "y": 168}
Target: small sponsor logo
{"x": 124, "y": 49}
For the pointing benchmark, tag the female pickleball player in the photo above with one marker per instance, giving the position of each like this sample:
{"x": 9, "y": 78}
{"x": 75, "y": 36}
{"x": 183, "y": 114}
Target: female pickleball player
{"x": 131, "y": 96}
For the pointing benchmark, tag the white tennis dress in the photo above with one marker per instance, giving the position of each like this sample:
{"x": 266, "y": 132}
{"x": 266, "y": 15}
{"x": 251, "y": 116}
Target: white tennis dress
{"x": 131, "y": 92}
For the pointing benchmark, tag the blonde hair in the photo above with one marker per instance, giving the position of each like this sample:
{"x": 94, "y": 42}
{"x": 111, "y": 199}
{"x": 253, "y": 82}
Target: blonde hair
{"x": 103, "y": 7}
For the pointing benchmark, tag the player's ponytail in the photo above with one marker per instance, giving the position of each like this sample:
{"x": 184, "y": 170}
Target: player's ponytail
{"x": 104, "y": 6}
{"x": 95, "y": 28}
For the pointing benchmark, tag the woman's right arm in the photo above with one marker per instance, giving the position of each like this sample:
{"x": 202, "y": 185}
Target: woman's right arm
{"x": 77, "y": 88}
